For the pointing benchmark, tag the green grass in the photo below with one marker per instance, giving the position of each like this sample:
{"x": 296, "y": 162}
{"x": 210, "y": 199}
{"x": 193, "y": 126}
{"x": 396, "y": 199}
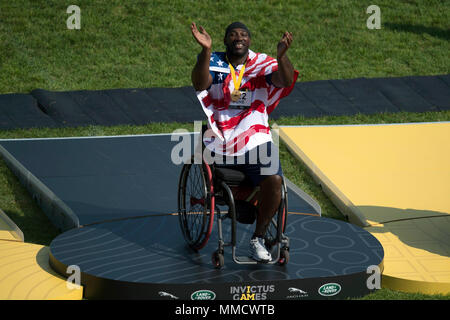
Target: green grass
{"x": 387, "y": 294}
{"x": 137, "y": 44}
{"x": 141, "y": 44}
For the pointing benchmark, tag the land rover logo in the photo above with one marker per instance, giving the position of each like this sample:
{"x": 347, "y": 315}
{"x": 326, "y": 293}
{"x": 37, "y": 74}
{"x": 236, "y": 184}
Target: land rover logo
{"x": 203, "y": 295}
{"x": 329, "y": 289}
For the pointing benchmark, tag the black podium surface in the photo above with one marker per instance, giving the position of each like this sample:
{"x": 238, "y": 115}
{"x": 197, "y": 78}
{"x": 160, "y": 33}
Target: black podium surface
{"x": 147, "y": 258}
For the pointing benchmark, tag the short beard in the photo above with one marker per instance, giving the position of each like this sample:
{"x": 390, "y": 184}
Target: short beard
{"x": 238, "y": 55}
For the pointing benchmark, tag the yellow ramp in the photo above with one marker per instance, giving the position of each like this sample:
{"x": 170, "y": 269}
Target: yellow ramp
{"x": 368, "y": 169}
{"x": 25, "y": 274}
{"x": 8, "y": 229}
{"x": 394, "y": 180}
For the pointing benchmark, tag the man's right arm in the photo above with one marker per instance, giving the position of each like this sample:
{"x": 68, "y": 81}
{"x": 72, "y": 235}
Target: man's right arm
{"x": 201, "y": 78}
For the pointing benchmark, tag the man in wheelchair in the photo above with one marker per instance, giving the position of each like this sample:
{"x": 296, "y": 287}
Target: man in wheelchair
{"x": 238, "y": 89}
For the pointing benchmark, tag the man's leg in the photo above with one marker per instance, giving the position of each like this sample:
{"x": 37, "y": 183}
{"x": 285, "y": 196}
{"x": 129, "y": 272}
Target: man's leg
{"x": 269, "y": 201}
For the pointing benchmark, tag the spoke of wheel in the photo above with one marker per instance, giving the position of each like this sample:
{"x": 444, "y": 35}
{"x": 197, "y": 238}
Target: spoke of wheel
{"x": 194, "y": 190}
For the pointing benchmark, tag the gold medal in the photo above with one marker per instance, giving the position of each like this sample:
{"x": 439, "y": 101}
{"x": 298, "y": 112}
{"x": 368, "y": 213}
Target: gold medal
{"x": 235, "y": 95}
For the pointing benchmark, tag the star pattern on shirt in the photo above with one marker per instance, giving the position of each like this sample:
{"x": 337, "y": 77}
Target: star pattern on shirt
{"x": 220, "y": 63}
{"x": 220, "y": 75}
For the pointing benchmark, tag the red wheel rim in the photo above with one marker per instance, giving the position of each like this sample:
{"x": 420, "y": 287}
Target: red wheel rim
{"x": 212, "y": 205}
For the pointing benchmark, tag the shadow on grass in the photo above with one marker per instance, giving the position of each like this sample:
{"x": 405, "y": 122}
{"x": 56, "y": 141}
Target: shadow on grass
{"x": 26, "y": 214}
{"x": 419, "y": 29}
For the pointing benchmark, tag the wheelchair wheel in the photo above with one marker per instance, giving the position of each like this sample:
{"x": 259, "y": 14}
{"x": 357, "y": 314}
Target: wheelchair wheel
{"x": 196, "y": 204}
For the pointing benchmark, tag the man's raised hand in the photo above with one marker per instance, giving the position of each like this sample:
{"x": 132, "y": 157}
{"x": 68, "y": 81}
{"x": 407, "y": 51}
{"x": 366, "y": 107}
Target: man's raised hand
{"x": 201, "y": 36}
{"x": 284, "y": 44}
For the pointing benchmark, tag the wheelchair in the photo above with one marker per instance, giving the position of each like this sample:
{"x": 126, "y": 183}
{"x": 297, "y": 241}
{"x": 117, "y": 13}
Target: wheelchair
{"x": 203, "y": 188}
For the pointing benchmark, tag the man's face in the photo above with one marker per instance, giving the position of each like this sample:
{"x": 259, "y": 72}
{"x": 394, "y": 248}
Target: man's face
{"x": 237, "y": 42}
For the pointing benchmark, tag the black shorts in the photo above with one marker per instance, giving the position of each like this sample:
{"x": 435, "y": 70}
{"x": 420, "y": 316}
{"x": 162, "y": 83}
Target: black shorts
{"x": 257, "y": 164}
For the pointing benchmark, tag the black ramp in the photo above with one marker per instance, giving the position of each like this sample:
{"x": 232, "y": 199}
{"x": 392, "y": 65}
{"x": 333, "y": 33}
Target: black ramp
{"x": 22, "y": 111}
{"x": 190, "y": 94}
{"x": 432, "y": 89}
{"x": 445, "y": 78}
{"x": 296, "y": 104}
{"x": 147, "y": 258}
{"x": 99, "y": 106}
{"x": 62, "y": 108}
{"x": 139, "y": 106}
{"x": 121, "y": 106}
{"x": 401, "y": 95}
{"x": 146, "y": 105}
{"x": 79, "y": 108}
{"x": 97, "y": 179}
{"x": 104, "y": 178}
{"x": 325, "y": 95}
{"x": 177, "y": 104}
{"x": 6, "y": 122}
{"x": 364, "y": 96}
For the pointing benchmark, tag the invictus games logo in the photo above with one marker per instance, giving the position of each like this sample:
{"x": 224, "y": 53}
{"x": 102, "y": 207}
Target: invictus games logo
{"x": 203, "y": 295}
{"x": 329, "y": 289}
{"x": 251, "y": 292}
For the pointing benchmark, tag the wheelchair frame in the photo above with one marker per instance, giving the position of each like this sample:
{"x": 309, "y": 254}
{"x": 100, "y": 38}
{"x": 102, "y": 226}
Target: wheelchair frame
{"x": 216, "y": 190}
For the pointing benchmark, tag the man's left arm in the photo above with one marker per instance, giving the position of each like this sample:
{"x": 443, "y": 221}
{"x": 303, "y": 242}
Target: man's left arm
{"x": 284, "y": 76}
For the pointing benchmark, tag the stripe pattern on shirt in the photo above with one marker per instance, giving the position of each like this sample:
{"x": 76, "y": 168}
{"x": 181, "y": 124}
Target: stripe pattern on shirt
{"x": 236, "y": 131}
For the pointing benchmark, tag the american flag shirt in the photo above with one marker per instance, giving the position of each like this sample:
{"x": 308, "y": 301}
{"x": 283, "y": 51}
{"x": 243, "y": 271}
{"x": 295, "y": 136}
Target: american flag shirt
{"x": 236, "y": 130}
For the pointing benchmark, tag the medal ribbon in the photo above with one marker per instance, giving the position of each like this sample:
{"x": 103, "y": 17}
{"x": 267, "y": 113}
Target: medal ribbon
{"x": 237, "y": 83}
